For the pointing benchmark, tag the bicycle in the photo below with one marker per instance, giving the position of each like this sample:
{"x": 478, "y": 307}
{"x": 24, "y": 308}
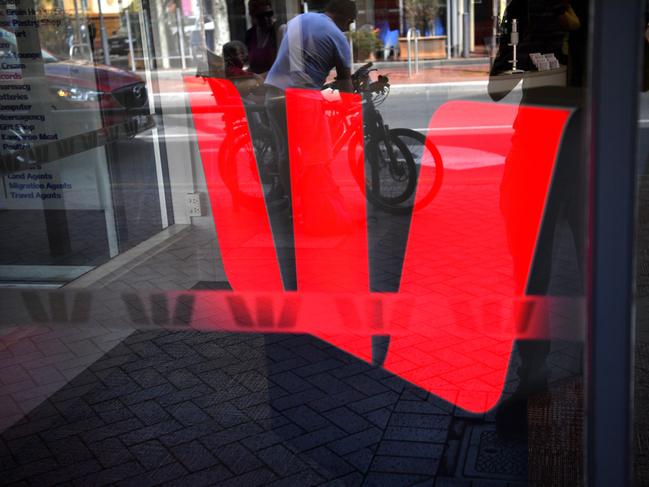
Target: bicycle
{"x": 393, "y": 158}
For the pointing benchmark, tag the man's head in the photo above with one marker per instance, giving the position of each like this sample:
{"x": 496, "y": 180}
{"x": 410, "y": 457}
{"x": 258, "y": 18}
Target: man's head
{"x": 261, "y": 13}
{"x": 342, "y": 12}
{"x": 235, "y": 53}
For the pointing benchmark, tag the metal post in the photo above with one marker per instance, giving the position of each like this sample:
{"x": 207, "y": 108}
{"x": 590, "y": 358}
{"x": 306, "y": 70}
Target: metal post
{"x": 413, "y": 34}
{"x": 181, "y": 40}
{"x": 466, "y": 30}
{"x": 131, "y": 52}
{"x": 494, "y": 31}
{"x": 104, "y": 36}
{"x": 448, "y": 29}
{"x": 77, "y": 24}
{"x": 614, "y": 84}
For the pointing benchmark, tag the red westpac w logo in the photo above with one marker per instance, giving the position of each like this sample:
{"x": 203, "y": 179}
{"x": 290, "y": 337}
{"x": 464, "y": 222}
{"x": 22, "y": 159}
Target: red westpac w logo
{"x": 468, "y": 255}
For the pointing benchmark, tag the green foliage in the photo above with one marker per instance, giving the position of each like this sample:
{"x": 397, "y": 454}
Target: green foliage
{"x": 366, "y": 42}
{"x": 421, "y": 13}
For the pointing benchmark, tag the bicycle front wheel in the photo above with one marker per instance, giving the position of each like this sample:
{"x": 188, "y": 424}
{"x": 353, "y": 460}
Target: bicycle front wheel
{"x": 390, "y": 174}
{"x": 428, "y": 162}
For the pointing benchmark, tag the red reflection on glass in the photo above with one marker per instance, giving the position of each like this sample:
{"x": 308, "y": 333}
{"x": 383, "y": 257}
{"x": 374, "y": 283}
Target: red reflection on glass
{"x": 468, "y": 255}
{"x": 233, "y": 185}
{"x": 469, "y": 251}
{"x": 329, "y": 210}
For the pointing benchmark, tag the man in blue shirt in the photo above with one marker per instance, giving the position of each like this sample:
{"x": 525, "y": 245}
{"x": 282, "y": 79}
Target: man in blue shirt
{"x": 313, "y": 45}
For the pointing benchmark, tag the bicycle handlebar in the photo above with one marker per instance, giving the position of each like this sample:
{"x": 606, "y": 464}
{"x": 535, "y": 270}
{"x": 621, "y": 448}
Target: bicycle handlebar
{"x": 361, "y": 82}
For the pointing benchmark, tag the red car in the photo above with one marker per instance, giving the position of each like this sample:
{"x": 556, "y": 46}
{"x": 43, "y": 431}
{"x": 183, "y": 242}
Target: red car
{"x": 77, "y": 84}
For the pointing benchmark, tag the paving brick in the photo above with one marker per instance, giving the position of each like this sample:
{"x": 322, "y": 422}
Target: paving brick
{"x": 72, "y": 429}
{"x": 374, "y": 402}
{"x": 379, "y": 418}
{"x": 237, "y": 458}
{"x": 75, "y": 410}
{"x": 214, "y": 441}
{"x": 28, "y": 449}
{"x": 296, "y": 399}
{"x": 290, "y": 382}
{"x": 149, "y": 412}
{"x": 74, "y": 390}
{"x": 188, "y": 413}
{"x": 111, "y": 452}
{"x": 328, "y": 464}
{"x": 411, "y": 420}
{"x": 147, "y": 394}
{"x": 147, "y": 378}
{"x": 318, "y": 367}
{"x": 112, "y": 411}
{"x": 40, "y": 391}
{"x": 68, "y": 473}
{"x": 208, "y": 477}
{"x": 317, "y": 438}
{"x": 410, "y": 449}
{"x": 151, "y": 454}
{"x": 356, "y": 441}
{"x": 262, "y": 476}
{"x": 111, "y": 475}
{"x": 376, "y": 479}
{"x": 106, "y": 393}
{"x": 29, "y": 470}
{"x": 426, "y": 466}
{"x": 160, "y": 476}
{"x": 13, "y": 374}
{"x": 347, "y": 420}
{"x": 332, "y": 401}
{"x": 305, "y": 478}
{"x": 416, "y": 434}
{"x": 8, "y": 406}
{"x": 331, "y": 385}
{"x": 423, "y": 407}
{"x": 281, "y": 460}
{"x": 28, "y": 427}
{"x": 366, "y": 385}
{"x": 110, "y": 430}
{"x": 361, "y": 459}
{"x": 150, "y": 432}
{"x": 183, "y": 378}
{"x": 183, "y": 435}
{"x": 194, "y": 456}
{"x": 70, "y": 450}
{"x": 184, "y": 395}
{"x": 306, "y": 418}
{"x": 269, "y": 438}
{"x": 228, "y": 415}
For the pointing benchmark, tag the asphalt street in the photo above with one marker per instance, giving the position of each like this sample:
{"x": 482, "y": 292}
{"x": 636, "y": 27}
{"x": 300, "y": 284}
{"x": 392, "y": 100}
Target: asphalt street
{"x": 407, "y": 106}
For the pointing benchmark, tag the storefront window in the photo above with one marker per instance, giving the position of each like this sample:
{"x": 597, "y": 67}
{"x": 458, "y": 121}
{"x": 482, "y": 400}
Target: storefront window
{"x": 304, "y": 242}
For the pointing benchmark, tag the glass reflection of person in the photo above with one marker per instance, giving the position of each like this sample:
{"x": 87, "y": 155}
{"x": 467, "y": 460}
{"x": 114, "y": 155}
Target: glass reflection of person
{"x": 264, "y": 37}
{"x": 313, "y": 45}
{"x": 547, "y": 27}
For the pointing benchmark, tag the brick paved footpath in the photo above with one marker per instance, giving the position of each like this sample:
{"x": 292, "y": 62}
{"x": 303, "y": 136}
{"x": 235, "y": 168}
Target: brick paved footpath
{"x": 93, "y": 406}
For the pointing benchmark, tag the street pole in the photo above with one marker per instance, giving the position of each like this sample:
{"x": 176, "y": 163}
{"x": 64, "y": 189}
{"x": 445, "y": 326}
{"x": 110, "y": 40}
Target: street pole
{"x": 127, "y": 21}
{"x": 77, "y": 22}
{"x": 104, "y": 36}
{"x": 448, "y": 29}
{"x": 466, "y": 31}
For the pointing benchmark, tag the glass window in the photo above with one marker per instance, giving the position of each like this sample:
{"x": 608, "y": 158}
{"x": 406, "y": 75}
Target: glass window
{"x": 312, "y": 242}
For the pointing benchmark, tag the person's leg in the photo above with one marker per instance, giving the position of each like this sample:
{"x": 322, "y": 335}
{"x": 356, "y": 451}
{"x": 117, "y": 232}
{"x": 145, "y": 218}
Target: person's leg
{"x": 276, "y": 110}
{"x": 281, "y": 221}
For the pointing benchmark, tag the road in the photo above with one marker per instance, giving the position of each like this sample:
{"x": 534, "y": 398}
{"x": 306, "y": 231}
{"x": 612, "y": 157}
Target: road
{"x": 410, "y": 106}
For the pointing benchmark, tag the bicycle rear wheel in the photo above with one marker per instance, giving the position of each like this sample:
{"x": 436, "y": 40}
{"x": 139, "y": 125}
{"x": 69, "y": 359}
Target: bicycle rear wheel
{"x": 428, "y": 162}
{"x": 248, "y": 160}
